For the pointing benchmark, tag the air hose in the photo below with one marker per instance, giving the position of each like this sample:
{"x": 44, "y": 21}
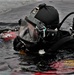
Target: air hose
{"x": 64, "y": 19}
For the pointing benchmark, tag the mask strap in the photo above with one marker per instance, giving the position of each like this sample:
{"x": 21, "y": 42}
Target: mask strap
{"x": 44, "y": 30}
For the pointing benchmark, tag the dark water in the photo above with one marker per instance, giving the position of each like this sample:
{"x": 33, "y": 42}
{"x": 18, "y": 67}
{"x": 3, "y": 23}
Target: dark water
{"x": 7, "y": 58}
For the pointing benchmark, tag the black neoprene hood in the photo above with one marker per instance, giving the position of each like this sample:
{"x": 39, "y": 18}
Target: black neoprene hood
{"x": 48, "y": 15}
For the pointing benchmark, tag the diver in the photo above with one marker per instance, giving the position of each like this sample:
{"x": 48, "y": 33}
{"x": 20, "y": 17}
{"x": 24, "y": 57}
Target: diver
{"x": 39, "y": 32}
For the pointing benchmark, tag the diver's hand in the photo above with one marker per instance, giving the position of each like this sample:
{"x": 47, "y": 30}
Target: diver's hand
{"x": 18, "y": 45}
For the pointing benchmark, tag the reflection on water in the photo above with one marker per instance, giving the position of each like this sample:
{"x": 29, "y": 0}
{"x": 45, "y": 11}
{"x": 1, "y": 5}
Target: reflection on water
{"x": 8, "y": 60}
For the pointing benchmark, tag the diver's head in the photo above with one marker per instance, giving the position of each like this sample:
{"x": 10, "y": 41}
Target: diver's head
{"x": 41, "y": 18}
{"x": 44, "y": 14}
